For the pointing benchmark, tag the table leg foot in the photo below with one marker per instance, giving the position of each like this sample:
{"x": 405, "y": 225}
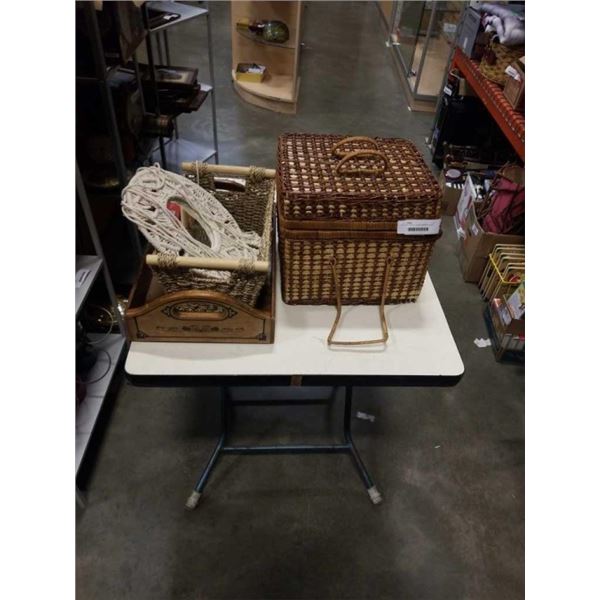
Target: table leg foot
{"x": 193, "y": 500}
{"x": 376, "y": 497}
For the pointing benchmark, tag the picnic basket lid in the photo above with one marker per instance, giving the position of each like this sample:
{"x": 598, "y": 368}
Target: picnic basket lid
{"x": 330, "y": 166}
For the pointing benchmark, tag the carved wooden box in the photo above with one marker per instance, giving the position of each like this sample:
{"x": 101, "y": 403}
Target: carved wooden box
{"x": 197, "y": 315}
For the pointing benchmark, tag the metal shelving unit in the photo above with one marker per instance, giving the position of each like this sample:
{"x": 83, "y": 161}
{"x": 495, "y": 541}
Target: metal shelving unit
{"x": 178, "y": 149}
{"x": 185, "y": 11}
{"x": 182, "y": 150}
{"x": 172, "y": 153}
{"x": 86, "y": 270}
{"x": 510, "y": 121}
{"x": 89, "y": 409}
{"x": 112, "y": 344}
{"x": 102, "y": 79}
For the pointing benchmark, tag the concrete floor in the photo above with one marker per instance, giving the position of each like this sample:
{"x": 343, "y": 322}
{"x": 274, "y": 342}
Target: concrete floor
{"x": 450, "y": 462}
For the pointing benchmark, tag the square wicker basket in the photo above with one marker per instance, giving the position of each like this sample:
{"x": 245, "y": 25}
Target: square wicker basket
{"x": 178, "y": 303}
{"x": 339, "y": 204}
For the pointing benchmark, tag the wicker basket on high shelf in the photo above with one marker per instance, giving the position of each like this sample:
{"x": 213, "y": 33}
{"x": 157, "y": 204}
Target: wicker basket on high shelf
{"x": 496, "y": 58}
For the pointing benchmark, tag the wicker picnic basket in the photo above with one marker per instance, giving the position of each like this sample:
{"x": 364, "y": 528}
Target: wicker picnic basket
{"x": 340, "y": 201}
{"x": 251, "y": 204}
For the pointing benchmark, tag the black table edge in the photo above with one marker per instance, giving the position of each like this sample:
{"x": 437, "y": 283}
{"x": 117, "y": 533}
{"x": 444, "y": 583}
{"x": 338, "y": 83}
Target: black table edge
{"x": 296, "y": 380}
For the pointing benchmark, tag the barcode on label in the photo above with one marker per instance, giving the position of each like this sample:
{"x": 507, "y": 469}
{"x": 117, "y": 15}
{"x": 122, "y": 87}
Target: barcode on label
{"x": 419, "y": 226}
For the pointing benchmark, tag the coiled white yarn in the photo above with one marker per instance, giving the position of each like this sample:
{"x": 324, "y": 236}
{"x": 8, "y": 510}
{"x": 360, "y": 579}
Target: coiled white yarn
{"x": 144, "y": 202}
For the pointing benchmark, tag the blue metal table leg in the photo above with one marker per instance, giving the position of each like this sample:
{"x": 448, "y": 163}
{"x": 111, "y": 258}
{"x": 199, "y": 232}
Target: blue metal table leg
{"x": 194, "y": 497}
{"x": 221, "y": 448}
{"x": 372, "y": 490}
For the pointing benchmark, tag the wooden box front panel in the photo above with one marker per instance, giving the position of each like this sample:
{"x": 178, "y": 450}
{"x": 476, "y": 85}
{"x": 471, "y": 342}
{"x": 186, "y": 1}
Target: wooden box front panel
{"x": 197, "y": 316}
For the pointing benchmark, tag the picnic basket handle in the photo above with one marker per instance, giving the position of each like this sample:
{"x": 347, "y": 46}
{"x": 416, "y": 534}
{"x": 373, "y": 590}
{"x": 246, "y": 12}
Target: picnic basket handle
{"x": 337, "y": 151}
{"x": 356, "y": 153}
{"x": 382, "y": 319}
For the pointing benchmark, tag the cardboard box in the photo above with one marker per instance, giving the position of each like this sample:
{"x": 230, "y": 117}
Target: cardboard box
{"x": 504, "y": 321}
{"x": 514, "y": 89}
{"x": 450, "y": 195}
{"x": 466, "y": 199}
{"x": 516, "y": 302}
{"x": 477, "y": 245}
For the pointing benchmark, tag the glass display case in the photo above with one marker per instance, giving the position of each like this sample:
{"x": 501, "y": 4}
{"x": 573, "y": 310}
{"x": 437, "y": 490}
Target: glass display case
{"x": 422, "y": 36}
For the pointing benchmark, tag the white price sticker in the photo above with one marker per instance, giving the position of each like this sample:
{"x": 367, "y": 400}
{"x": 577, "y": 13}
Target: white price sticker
{"x": 419, "y": 226}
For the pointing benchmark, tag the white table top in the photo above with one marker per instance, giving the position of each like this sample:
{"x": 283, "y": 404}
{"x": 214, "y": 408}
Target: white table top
{"x": 420, "y": 345}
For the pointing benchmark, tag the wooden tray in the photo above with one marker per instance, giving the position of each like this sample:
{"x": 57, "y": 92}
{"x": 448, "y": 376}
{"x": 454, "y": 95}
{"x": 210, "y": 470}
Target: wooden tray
{"x": 199, "y": 315}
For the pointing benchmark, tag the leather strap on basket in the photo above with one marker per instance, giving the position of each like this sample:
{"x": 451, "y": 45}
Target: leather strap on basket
{"x": 338, "y": 298}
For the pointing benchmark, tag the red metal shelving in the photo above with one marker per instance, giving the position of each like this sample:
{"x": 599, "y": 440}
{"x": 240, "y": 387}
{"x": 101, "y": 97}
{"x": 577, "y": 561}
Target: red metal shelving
{"x": 509, "y": 120}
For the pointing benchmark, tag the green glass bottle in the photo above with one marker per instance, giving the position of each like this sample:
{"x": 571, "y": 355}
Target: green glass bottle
{"x": 276, "y": 32}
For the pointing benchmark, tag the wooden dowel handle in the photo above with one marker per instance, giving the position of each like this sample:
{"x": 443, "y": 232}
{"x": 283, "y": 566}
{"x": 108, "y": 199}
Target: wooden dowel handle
{"x": 218, "y": 264}
{"x": 190, "y": 167}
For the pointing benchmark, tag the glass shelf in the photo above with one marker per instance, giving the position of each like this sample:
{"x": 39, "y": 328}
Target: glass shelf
{"x": 255, "y": 38}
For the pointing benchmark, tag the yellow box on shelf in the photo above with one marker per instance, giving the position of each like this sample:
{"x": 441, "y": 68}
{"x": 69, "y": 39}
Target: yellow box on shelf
{"x": 251, "y": 72}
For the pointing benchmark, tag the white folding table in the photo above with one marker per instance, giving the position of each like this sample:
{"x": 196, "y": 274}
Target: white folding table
{"x": 420, "y": 352}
